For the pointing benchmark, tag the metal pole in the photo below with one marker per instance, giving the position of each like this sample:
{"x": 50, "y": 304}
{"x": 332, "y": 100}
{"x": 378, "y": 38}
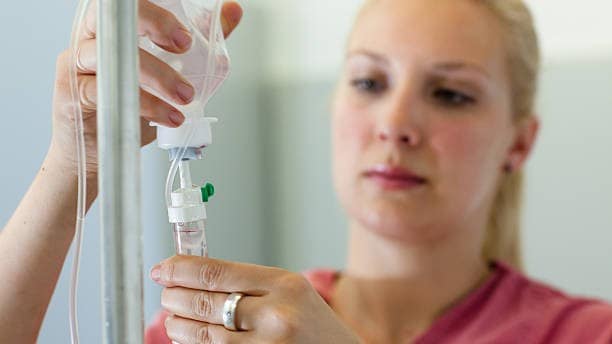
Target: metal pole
{"x": 119, "y": 176}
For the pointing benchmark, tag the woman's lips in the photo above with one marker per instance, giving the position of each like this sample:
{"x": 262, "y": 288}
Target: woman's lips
{"x": 394, "y": 178}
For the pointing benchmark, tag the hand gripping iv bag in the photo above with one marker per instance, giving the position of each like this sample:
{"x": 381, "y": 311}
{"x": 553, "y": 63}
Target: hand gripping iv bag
{"x": 205, "y": 65}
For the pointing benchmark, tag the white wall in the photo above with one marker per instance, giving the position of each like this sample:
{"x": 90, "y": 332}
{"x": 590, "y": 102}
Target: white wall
{"x": 571, "y": 29}
{"x": 568, "y": 218}
{"x": 305, "y": 38}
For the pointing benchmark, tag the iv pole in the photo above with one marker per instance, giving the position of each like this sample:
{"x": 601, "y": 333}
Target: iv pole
{"x": 119, "y": 174}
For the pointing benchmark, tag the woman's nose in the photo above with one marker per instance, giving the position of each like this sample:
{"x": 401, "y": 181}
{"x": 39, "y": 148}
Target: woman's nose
{"x": 399, "y": 126}
{"x": 403, "y": 138}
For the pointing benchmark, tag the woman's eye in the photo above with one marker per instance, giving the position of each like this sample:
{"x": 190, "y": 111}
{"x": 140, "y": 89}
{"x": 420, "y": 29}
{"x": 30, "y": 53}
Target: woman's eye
{"x": 367, "y": 85}
{"x": 452, "y": 98}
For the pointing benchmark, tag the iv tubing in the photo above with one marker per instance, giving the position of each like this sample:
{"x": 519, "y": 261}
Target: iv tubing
{"x": 175, "y": 164}
{"x": 81, "y": 169}
{"x": 185, "y": 175}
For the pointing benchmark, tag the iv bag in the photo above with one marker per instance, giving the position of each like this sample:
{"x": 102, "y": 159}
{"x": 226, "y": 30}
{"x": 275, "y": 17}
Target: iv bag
{"x": 206, "y": 64}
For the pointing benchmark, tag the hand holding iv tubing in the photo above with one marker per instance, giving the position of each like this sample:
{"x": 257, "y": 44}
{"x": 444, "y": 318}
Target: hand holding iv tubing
{"x": 158, "y": 95}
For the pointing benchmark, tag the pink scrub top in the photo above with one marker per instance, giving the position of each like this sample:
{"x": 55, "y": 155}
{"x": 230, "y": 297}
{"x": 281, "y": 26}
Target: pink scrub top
{"x": 507, "y": 308}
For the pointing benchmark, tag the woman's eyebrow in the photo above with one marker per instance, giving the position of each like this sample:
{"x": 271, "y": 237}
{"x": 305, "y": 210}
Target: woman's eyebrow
{"x": 369, "y": 54}
{"x": 453, "y": 66}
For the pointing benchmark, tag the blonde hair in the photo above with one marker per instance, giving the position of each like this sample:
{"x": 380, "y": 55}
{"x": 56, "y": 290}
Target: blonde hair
{"x": 503, "y": 239}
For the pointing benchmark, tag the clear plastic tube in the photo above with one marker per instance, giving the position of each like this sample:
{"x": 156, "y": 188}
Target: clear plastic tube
{"x": 175, "y": 165}
{"x": 190, "y": 238}
{"x": 81, "y": 169}
{"x": 185, "y": 175}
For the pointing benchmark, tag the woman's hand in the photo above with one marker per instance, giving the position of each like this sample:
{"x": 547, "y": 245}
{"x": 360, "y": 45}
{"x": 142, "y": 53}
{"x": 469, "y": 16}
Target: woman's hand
{"x": 162, "y": 28}
{"x": 277, "y": 306}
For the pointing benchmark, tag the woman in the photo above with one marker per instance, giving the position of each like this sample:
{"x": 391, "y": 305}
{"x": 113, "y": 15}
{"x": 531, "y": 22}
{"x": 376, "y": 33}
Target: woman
{"x": 432, "y": 123}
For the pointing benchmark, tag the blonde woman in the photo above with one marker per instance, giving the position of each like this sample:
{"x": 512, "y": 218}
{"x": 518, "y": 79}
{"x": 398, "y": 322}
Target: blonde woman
{"x": 433, "y": 121}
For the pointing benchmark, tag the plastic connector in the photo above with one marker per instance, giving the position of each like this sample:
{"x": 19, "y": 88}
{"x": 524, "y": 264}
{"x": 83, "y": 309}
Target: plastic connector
{"x": 208, "y": 191}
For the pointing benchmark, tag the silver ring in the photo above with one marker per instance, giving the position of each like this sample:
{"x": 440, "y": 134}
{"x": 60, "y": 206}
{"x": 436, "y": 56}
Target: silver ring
{"x": 229, "y": 311}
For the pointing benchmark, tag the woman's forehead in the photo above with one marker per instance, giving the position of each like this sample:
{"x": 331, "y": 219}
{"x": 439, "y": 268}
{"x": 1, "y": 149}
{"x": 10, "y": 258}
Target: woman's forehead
{"x": 460, "y": 31}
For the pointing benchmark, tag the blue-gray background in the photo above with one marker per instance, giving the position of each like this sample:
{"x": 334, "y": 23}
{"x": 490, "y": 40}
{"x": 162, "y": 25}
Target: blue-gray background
{"x": 270, "y": 160}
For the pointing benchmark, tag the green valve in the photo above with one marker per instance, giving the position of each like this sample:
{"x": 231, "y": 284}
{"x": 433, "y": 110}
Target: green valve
{"x": 208, "y": 191}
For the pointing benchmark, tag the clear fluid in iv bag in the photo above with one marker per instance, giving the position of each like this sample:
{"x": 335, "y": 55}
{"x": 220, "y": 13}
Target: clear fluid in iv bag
{"x": 190, "y": 239}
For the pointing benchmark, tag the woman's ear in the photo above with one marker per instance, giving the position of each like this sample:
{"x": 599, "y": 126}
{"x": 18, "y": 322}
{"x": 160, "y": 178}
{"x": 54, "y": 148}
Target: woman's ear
{"x": 524, "y": 141}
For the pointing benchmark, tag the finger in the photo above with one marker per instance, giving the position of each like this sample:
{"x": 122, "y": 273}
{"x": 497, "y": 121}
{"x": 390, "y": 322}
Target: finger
{"x": 208, "y": 306}
{"x": 155, "y": 74}
{"x": 88, "y": 27}
{"x": 156, "y": 110}
{"x": 231, "y": 13}
{"x": 148, "y": 133}
{"x": 215, "y": 275}
{"x": 186, "y": 331}
{"x": 88, "y": 93}
{"x": 160, "y": 25}
{"x": 153, "y": 109}
{"x": 86, "y": 57}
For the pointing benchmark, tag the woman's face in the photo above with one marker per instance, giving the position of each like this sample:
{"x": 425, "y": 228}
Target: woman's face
{"x": 422, "y": 120}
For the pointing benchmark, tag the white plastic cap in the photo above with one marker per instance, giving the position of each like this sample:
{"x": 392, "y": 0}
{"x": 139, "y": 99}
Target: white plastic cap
{"x": 169, "y": 138}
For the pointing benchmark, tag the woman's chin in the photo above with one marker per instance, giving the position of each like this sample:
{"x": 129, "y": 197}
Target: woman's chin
{"x": 396, "y": 223}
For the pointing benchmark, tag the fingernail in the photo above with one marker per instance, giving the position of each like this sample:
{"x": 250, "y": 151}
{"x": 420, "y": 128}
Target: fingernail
{"x": 156, "y": 273}
{"x": 185, "y": 91}
{"x": 176, "y": 117}
{"x": 234, "y": 16}
{"x": 181, "y": 38}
